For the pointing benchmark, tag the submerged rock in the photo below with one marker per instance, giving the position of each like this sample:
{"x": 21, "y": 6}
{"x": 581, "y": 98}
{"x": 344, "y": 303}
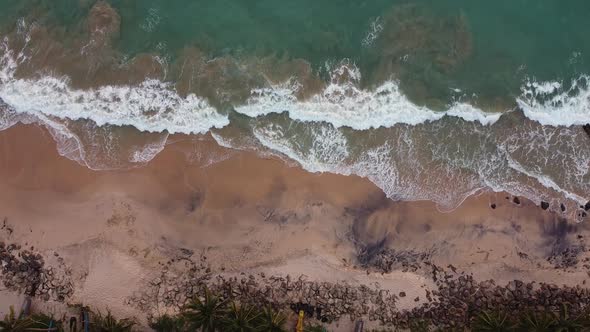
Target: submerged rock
{"x": 103, "y": 20}
{"x": 544, "y": 205}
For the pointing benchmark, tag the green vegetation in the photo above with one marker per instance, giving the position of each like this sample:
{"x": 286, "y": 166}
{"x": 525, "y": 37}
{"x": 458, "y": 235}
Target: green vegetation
{"x": 493, "y": 321}
{"x": 538, "y": 321}
{"x": 533, "y": 321}
{"x": 108, "y": 323}
{"x": 13, "y": 323}
{"x": 35, "y": 322}
{"x": 420, "y": 325}
{"x": 564, "y": 321}
{"x": 205, "y": 315}
{"x": 211, "y": 313}
{"x": 44, "y": 321}
{"x": 272, "y": 321}
{"x": 314, "y": 328}
{"x": 168, "y": 323}
{"x": 240, "y": 318}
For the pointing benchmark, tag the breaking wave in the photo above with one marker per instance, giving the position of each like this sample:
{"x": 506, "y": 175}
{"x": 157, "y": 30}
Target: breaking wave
{"x": 410, "y": 151}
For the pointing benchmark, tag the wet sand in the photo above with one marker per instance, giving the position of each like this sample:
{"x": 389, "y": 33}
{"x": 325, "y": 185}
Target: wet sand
{"x": 115, "y": 229}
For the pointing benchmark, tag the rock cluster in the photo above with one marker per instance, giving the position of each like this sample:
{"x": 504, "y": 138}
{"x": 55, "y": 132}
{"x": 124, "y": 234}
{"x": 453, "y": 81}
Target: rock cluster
{"x": 460, "y": 298}
{"x": 384, "y": 259}
{"x": 324, "y": 301}
{"x": 567, "y": 255}
{"x": 25, "y": 272}
{"x": 456, "y": 301}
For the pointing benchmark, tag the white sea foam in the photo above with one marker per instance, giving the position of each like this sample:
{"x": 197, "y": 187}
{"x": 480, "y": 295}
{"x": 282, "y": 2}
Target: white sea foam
{"x": 68, "y": 144}
{"x": 375, "y": 28}
{"x": 146, "y": 153}
{"x": 50, "y": 101}
{"x": 472, "y": 114}
{"x": 545, "y": 181}
{"x": 346, "y": 105}
{"x": 399, "y": 167}
{"x": 326, "y": 153}
{"x": 152, "y": 106}
{"x": 8, "y": 117}
{"x": 551, "y": 104}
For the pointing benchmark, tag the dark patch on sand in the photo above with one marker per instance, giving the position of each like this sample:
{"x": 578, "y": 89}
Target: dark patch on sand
{"x": 378, "y": 256}
{"x": 371, "y": 250}
{"x": 563, "y": 252}
{"x": 557, "y": 228}
{"x": 195, "y": 200}
{"x": 361, "y": 213}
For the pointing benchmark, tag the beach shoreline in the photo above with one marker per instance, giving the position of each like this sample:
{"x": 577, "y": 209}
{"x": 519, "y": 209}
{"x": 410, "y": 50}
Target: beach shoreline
{"x": 113, "y": 231}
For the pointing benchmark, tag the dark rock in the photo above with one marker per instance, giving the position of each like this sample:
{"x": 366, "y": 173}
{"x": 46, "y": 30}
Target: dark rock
{"x": 544, "y": 205}
{"x": 103, "y": 20}
{"x": 402, "y": 294}
{"x": 587, "y": 129}
{"x": 516, "y": 200}
{"x": 562, "y": 206}
{"x": 186, "y": 252}
{"x": 493, "y": 206}
{"x": 587, "y": 206}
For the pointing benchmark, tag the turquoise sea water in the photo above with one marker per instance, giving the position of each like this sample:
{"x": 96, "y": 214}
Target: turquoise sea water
{"x": 511, "y": 40}
{"x": 428, "y": 99}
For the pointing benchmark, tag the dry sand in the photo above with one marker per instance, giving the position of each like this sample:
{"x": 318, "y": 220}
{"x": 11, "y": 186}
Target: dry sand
{"x": 113, "y": 229}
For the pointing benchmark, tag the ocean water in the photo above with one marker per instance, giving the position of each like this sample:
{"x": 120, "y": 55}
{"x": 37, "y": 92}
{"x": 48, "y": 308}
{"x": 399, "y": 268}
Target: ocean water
{"x": 430, "y": 100}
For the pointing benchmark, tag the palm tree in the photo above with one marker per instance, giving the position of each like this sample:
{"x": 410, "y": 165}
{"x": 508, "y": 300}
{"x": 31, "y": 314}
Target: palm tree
{"x": 108, "y": 323}
{"x": 240, "y": 318}
{"x": 41, "y": 321}
{"x": 492, "y": 321}
{"x": 564, "y": 322}
{"x": 420, "y": 325}
{"x": 167, "y": 323}
{"x": 13, "y": 324}
{"x": 205, "y": 314}
{"x": 538, "y": 322}
{"x": 314, "y": 328}
{"x": 271, "y": 321}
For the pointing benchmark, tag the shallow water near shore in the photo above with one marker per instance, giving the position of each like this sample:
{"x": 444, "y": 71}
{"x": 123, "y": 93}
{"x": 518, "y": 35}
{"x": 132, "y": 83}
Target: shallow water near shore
{"x": 428, "y": 100}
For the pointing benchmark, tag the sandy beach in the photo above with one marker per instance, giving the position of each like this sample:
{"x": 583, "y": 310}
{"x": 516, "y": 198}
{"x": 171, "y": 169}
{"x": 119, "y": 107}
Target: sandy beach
{"x": 406, "y": 165}
{"x": 110, "y": 233}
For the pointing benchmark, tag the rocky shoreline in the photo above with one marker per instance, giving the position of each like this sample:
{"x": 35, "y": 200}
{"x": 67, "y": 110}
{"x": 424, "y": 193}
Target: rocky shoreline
{"x": 24, "y": 271}
{"x": 457, "y": 300}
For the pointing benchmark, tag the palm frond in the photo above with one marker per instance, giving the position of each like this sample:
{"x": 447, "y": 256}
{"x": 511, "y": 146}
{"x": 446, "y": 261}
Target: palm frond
{"x": 205, "y": 314}
{"x": 271, "y": 321}
{"x": 240, "y": 318}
